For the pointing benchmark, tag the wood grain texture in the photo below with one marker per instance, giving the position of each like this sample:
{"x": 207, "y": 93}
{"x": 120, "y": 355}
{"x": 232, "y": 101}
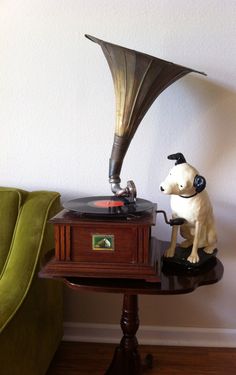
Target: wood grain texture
{"x": 73, "y": 358}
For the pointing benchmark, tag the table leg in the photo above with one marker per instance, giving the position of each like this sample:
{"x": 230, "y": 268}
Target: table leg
{"x": 126, "y": 360}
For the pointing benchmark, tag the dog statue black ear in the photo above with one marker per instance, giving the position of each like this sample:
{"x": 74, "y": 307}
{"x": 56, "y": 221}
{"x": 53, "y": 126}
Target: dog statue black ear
{"x": 199, "y": 183}
{"x": 178, "y": 157}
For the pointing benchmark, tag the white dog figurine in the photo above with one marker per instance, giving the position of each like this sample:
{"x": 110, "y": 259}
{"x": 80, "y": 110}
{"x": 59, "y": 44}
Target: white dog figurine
{"x": 190, "y": 201}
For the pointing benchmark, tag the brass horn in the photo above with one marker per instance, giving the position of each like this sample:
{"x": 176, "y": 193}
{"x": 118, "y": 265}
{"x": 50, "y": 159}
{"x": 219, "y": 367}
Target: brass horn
{"x": 138, "y": 80}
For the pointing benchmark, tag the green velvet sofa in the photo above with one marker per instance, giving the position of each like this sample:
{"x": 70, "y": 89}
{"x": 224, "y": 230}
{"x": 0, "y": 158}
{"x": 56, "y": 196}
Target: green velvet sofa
{"x": 30, "y": 307}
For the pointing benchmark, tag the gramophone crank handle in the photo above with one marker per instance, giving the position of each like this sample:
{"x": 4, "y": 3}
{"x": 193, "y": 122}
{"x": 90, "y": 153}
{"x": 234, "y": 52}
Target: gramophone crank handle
{"x": 171, "y": 222}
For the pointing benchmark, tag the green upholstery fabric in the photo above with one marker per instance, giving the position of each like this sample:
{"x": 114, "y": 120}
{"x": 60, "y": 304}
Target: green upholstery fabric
{"x": 10, "y": 203}
{"x": 30, "y": 308}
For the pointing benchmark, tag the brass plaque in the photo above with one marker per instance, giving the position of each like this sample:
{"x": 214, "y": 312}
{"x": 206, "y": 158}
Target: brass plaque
{"x": 103, "y": 242}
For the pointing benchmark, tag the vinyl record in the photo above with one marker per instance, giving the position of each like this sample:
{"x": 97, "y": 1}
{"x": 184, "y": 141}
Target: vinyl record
{"x": 108, "y": 206}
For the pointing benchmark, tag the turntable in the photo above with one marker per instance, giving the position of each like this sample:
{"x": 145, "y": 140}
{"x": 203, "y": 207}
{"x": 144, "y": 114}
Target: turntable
{"x": 110, "y": 236}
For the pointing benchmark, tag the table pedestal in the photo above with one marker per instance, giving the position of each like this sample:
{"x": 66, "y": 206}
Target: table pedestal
{"x": 126, "y": 360}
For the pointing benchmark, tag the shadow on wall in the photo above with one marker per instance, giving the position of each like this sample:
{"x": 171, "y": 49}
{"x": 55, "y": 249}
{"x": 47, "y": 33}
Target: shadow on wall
{"x": 224, "y": 212}
{"x": 218, "y": 112}
{"x": 197, "y": 115}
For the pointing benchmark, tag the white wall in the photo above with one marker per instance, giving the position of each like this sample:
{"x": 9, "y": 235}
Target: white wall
{"x": 57, "y": 121}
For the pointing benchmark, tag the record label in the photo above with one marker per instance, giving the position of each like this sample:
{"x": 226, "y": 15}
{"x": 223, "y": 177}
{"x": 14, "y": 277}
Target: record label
{"x": 106, "y": 203}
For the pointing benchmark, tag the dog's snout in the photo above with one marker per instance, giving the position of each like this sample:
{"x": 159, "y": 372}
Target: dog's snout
{"x": 161, "y": 188}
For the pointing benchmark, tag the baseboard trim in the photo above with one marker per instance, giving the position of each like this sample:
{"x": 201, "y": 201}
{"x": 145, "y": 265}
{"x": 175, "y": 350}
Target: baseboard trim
{"x": 152, "y": 335}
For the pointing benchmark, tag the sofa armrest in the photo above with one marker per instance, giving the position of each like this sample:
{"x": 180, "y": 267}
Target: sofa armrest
{"x": 27, "y": 242}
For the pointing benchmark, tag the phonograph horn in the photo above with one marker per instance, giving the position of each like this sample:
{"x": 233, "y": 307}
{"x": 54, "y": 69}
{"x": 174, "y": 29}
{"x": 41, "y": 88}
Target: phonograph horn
{"x": 138, "y": 79}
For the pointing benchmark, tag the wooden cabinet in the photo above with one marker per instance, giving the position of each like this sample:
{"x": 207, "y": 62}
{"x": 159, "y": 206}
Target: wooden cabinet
{"x": 95, "y": 247}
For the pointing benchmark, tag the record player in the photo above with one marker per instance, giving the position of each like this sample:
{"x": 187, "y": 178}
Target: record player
{"x": 110, "y": 236}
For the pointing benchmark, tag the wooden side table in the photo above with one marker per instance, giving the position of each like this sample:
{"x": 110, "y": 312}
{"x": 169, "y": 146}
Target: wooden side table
{"x": 126, "y": 360}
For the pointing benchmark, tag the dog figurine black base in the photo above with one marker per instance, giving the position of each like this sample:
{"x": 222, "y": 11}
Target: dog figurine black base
{"x": 179, "y": 260}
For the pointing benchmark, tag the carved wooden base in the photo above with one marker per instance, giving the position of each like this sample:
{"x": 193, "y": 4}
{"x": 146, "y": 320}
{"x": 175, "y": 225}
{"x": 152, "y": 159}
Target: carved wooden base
{"x": 126, "y": 360}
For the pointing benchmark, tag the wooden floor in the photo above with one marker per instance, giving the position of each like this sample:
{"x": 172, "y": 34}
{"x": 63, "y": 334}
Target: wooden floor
{"x": 84, "y": 359}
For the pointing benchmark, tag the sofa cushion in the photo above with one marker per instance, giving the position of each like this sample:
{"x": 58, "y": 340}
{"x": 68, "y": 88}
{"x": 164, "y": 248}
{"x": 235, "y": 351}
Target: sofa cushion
{"x": 10, "y": 202}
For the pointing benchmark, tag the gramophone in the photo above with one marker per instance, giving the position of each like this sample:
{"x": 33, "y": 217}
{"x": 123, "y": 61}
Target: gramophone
{"x": 138, "y": 80}
{"x": 111, "y": 235}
